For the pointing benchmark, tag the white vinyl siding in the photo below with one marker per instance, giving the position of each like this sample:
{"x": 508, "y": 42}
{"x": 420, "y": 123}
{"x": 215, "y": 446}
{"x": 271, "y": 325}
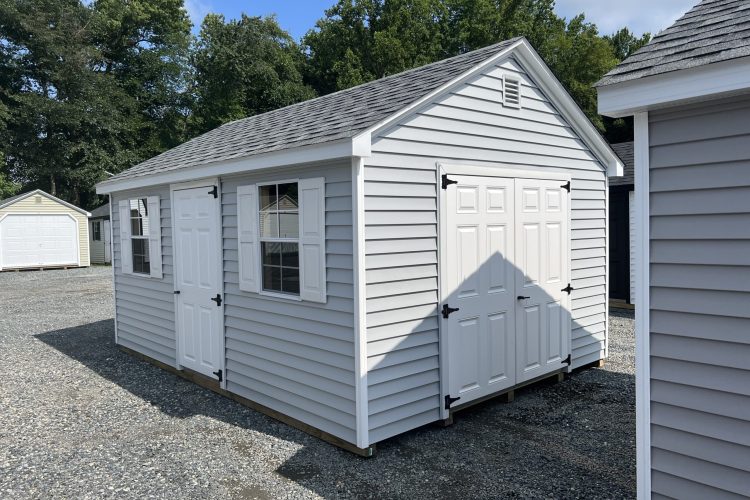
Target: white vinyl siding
{"x": 700, "y": 299}
{"x": 469, "y": 126}
{"x": 296, "y": 357}
{"x": 145, "y": 306}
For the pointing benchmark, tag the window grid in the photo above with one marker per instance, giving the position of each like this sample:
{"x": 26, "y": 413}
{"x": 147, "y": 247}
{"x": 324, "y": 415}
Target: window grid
{"x": 279, "y": 237}
{"x": 139, "y": 233}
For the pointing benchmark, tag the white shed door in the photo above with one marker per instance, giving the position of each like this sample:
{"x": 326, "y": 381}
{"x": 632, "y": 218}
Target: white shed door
{"x": 481, "y": 338}
{"x": 38, "y": 240}
{"x": 198, "y": 280}
{"x": 543, "y": 322}
{"x": 507, "y": 266}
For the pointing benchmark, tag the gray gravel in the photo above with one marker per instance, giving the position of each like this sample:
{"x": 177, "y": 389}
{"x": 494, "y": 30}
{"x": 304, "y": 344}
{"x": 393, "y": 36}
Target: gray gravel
{"x": 79, "y": 418}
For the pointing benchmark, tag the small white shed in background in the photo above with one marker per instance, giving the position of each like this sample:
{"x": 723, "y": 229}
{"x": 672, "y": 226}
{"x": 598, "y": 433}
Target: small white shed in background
{"x": 38, "y": 230}
{"x": 364, "y": 263}
{"x": 100, "y": 235}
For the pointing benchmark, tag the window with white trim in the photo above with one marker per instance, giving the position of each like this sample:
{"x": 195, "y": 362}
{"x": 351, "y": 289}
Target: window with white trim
{"x": 281, "y": 239}
{"x": 139, "y": 234}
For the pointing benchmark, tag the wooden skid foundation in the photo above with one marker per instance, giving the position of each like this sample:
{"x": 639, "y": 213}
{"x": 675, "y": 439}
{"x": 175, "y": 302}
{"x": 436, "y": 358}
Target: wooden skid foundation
{"x": 40, "y": 268}
{"x": 509, "y": 395}
{"x": 213, "y": 385}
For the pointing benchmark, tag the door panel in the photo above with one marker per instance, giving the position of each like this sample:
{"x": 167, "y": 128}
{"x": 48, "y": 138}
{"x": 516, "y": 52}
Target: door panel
{"x": 481, "y": 345}
{"x": 543, "y": 334}
{"x": 198, "y": 279}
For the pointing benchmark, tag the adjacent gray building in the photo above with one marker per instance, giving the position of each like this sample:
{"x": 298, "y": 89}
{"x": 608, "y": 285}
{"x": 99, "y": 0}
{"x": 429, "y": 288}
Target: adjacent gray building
{"x": 369, "y": 261}
{"x": 689, "y": 91}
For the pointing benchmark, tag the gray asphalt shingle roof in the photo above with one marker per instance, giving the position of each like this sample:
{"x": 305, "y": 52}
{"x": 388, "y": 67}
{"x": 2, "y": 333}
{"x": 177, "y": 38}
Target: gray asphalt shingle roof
{"x": 11, "y": 198}
{"x": 625, "y": 151}
{"x": 102, "y": 211}
{"x": 335, "y": 116}
{"x": 711, "y": 32}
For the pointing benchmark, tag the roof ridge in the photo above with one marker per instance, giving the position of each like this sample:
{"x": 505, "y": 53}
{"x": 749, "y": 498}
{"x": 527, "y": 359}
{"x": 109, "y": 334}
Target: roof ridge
{"x": 384, "y": 78}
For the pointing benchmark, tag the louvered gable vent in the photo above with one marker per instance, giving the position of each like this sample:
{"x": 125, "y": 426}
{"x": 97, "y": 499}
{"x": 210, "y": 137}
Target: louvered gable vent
{"x": 511, "y": 92}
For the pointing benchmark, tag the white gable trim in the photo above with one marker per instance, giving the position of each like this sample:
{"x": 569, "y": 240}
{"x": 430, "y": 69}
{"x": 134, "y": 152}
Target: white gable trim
{"x": 676, "y": 87}
{"x": 344, "y": 148}
{"x": 46, "y": 195}
{"x": 549, "y": 84}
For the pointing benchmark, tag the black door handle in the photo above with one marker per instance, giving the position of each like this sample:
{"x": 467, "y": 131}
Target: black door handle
{"x": 521, "y": 297}
{"x": 217, "y": 299}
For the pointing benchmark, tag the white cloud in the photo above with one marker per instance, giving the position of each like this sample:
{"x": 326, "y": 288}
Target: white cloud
{"x": 197, "y": 10}
{"x": 638, "y": 16}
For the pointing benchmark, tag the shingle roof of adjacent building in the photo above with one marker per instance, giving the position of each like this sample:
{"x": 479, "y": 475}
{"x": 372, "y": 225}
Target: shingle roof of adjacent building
{"x": 625, "y": 151}
{"x": 10, "y": 199}
{"x": 711, "y": 32}
{"x": 335, "y": 116}
{"x": 102, "y": 211}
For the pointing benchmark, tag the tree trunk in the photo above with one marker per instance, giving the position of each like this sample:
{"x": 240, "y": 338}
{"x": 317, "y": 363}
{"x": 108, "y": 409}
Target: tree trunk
{"x": 52, "y": 187}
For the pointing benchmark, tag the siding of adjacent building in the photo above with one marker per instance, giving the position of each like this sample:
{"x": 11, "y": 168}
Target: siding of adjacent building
{"x": 29, "y": 205}
{"x": 469, "y": 126}
{"x": 296, "y": 357}
{"x": 700, "y": 299}
{"x": 144, "y": 306}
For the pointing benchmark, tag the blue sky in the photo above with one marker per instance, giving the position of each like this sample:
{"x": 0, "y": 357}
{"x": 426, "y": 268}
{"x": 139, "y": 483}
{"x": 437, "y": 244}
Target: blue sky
{"x": 298, "y": 16}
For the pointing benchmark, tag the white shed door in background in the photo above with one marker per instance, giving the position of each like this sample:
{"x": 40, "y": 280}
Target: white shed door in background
{"x": 543, "y": 324}
{"x": 38, "y": 240}
{"x": 507, "y": 265}
{"x": 198, "y": 280}
{"x": 481, "y": 341}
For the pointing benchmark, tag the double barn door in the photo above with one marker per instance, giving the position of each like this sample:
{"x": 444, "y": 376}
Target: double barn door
{"x": 507, "y": 267}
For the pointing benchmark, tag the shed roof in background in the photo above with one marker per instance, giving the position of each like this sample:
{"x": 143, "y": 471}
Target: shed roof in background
{"x": 334, "y": 116}
{"x": 625, "y": 151}
{"x": 711, "y": 32}
{"x": 13, "y": 199}
{"x": 99, "y": 212}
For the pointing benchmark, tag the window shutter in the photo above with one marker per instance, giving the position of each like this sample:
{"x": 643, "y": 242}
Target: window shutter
{"x": 154, "y": 236}
{"x": 247, "y": 238}
{"x": 312, "y": 239}
{"x": 126, "y": 251}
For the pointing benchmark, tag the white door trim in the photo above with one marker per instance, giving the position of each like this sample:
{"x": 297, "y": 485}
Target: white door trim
{"x": 207, "y": 183}
{"x": 642, "y": 309}
{"x": 457, "y": 169}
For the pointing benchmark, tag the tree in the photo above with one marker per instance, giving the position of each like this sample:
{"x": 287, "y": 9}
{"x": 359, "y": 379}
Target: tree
{"x": 624, "y": 43}
{"x": 244, "y": 67}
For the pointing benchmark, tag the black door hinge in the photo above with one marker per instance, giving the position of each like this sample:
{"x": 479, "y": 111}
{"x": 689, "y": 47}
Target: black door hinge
{"x": 448, "y": 310}
{"x": 566, "y": 361}
{"x": 449, "y": 401}
{"x": 447, "y": 181}
{"x": 568, "y": 289}
{"x": 176, "y": 292}
{"x": 217, "y": 299}
{"x": 219, "y": 374}
{"x": 566, "y": 186}
{"x": 214, "y": 191}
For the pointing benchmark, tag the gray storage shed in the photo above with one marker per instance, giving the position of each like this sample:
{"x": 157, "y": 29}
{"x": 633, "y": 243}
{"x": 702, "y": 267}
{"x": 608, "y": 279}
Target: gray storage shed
{"x": 356, "y": 263}
{"x": 689, "y": 91}
{"x": 100, "y": 235}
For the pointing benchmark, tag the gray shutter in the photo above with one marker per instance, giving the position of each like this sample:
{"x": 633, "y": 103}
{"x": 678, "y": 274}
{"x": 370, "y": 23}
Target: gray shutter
{"x": 154, "y": 236}
{"x": 247, "y": 238}
{"x": 312, "y": 239}
{"x": 126, "y": 251}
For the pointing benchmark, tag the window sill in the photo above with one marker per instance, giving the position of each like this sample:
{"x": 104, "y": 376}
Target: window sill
{"x": 279, "y": 295}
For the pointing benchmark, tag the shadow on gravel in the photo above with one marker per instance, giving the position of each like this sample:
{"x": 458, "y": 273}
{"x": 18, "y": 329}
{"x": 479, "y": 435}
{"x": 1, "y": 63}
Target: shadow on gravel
{"x": 568, "y": 440}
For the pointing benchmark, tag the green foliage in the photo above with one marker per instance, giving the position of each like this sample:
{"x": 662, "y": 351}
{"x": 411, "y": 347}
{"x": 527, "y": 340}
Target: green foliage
{"x": 88, "y": 89}
{"x": 244, "y": 67}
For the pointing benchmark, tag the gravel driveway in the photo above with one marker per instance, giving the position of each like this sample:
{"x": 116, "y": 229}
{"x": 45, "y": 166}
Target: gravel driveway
{"x": 80, "y": 419}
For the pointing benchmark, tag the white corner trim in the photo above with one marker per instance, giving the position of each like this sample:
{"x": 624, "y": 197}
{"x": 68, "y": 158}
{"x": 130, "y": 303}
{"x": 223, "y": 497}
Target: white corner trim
{"x": 112, "y": 261}
{"x": 360, "y": 302}
{"x": 642, "y": 309}
{"x": 343, "y": 148}
{"x": 676, "y": 87}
